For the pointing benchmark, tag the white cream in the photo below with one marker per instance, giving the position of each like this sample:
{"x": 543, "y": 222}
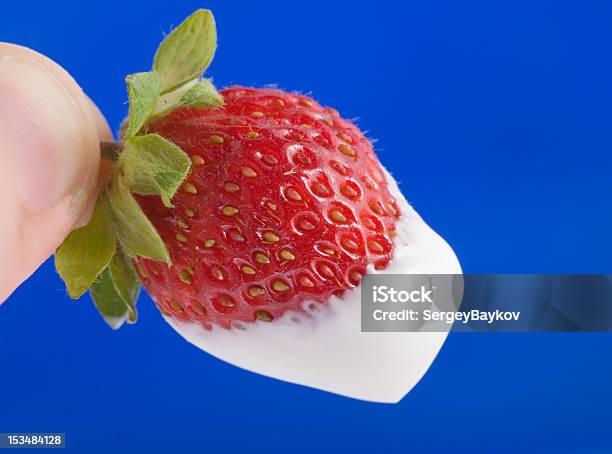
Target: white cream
{"x": 326, "y": 349}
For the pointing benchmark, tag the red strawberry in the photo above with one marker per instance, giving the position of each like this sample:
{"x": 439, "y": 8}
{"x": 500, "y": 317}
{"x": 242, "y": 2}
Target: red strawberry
{"x": 236, "y": 205}
{"x": 285, "y": 202}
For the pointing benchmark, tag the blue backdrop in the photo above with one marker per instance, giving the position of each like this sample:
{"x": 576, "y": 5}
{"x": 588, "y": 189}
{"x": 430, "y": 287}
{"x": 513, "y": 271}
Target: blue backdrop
{"x": 497, "y": 119}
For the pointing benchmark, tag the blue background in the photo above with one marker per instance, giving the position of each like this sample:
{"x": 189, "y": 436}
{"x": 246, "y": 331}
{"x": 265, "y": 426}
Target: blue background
{"x": 495, "y": 116}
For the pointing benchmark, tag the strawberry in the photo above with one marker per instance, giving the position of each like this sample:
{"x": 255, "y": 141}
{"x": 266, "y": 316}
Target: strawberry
{"x": 235, "y": 206}
{"x": 286, "y": 202}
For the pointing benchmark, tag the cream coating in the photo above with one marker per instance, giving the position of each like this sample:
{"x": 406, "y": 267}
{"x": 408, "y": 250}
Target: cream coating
{"x": 325, "y": 349}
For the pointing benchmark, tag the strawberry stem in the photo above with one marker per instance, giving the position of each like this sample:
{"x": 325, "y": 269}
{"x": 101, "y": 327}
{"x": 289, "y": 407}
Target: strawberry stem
{"x": 110, "y": 151}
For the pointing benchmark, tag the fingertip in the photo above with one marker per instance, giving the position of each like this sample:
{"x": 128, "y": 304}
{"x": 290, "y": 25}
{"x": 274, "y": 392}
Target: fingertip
{"x": 47, "y": 128}
{"x": 49, "y": 148}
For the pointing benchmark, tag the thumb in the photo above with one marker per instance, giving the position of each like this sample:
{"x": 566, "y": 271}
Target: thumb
{"x": 49, "y": 154}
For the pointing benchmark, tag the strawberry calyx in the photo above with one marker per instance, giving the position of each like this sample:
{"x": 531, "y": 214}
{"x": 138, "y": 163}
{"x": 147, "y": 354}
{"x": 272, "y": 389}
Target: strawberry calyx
{"x": 98, "y": 256}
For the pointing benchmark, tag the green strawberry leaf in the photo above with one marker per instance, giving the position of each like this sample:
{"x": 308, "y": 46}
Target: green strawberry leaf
{"x": 136, "y": 234}
{"x": 202, "y": 94}
{"x": 143, "y": 91}
{"x": 167, "y": 102}
{"x": 187, "y": 51}
{"x": 108, "y": 301}
{"x": 151, "y": 165}
{"x": 126, "y": 282}
{"x": 87, "y": 250}
{"x": 196, "y": 93}
{"x": 98, "y": 255}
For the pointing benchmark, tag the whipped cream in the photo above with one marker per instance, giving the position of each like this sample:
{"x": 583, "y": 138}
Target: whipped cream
{"x": 325, "y": 348}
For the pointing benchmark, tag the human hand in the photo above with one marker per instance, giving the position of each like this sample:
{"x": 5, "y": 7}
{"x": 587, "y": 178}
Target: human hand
{"x": 50, "y": 169}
